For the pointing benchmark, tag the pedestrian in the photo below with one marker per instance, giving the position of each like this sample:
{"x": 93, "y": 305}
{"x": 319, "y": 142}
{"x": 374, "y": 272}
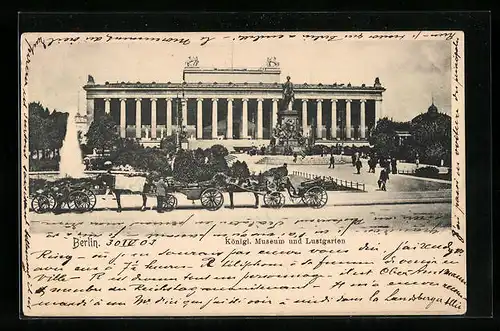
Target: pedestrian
{"x": 382, "y": 180}
{"x": 353, "y": 160}
{"x": 372, "y": 163}
{"x": 417, "y": 160}
{"x": 161, "y": 191}
{"x": 388, "y": 165}
{"x": 358, "y": 165}
{"x": 394, "y": 166}
{"x": 332, "y": 162}
{"x": 108, "y": 179}
{"x": 295, "y": 157}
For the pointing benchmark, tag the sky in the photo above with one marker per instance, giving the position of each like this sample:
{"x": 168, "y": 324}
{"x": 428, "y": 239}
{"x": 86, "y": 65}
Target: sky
{"x": 413, "y": 72}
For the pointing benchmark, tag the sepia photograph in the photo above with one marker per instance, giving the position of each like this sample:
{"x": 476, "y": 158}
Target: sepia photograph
{"x": 243, "y": 174}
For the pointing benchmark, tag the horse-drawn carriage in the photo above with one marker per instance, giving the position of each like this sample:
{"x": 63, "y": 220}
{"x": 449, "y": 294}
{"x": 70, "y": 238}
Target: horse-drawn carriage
{"x": 64, "y": 194}
{"x": 209, "y": 194}
{"x": 311, "y": 192}
{"x": 79, "y": 195}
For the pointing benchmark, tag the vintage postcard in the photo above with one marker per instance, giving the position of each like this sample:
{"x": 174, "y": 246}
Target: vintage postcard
{"x": 243, "y": 174}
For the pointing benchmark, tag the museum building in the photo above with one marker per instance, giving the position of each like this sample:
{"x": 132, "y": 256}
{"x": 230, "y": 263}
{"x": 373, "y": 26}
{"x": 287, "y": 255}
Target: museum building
{"x": 235, "y": 106}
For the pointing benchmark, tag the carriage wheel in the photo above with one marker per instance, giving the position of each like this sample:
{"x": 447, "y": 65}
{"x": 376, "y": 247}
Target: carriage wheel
{"x": 274, "y": 199}
{"x": 315, "y": 197}
{"x": 52, "y": 200}
{"x": 170, "y": 202}
{"x": 79, "y": 201}
{"x": 92, "y": 198}
{"x": 212, "y": 199}
{"x": 41, "y": 204}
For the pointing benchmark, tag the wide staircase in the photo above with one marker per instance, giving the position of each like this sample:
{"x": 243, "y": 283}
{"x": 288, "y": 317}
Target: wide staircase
{"x": 308, "y": 160}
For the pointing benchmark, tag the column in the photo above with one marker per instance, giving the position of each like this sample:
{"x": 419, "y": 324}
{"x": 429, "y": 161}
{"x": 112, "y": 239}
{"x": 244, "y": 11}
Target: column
{"x": 304, "y": 117}
{"x": 184, "y": 112}
{"x": 123, "y": 118}
{"x": 168, "y": 117}
{"x": 199, "y": 118}
{"x": 378, "y": 110}
{"x": 107, "y": 106}
{"x": 153, "y": 118}
{"x": 348, "y": 119}
{"x": 274, "y": 120}
{"x": 90, "y": 111}
{"x": 333, "y": 124}
{"x": 362, "y": 120}
{"x": 138, "y": 123}
{"x": 229, "y": 126}
{"x": 244, "y": 119}
{"x": 260, "y": 126}
{"x": 214, "y": 118}
{"x": 319, "y": 118}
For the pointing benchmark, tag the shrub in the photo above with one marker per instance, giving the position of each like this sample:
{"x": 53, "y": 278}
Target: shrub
{"x": 44, "y": 164}
{"x": 429, "y": 172}
{"x": 190, "y": 166}
{"x": 219, "y": 150}
{"x": 185, "y": 167}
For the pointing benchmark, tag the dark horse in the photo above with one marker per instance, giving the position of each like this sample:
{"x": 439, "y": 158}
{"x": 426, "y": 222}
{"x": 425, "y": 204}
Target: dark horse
{"x": 107, "y": 180}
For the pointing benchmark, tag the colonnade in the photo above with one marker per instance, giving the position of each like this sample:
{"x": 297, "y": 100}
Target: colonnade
{"x": 244, "y": 116}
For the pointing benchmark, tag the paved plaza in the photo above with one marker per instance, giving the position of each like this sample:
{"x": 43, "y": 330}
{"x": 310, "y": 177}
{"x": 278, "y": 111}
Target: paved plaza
{"x": 346, "y": 172}
{"x": 403, "y": 193}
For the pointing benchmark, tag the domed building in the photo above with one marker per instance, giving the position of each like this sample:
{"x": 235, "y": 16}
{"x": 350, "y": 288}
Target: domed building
{"x": 432, "y": 114}
{"x": 431, "y": 132}
{"x": 432, "y": 109}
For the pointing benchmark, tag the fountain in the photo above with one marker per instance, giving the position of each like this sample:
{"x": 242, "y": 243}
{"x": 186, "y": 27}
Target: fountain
{"x": 71, "y": 162}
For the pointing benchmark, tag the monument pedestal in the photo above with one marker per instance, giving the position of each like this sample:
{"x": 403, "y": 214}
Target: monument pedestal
{"x": 288, "y": 132}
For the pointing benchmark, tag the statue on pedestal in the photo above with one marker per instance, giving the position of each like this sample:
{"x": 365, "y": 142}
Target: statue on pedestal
{"x": 288, "y": 94}
{"x": 287, "y": 136}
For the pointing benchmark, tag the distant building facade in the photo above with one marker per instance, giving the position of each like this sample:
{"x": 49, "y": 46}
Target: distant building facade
{"x": 235, "y": 106}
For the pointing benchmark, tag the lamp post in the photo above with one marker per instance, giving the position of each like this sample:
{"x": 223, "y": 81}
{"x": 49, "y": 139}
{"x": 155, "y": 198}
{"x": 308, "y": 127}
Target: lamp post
{"x": 179, "y": 112}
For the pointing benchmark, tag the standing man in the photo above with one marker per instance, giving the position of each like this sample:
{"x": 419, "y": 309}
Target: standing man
{"x": 161, "y": 191}
{"x": 332, "y": 162}
{"x": 109, "y": 181}
{"x": 383, "y": 178}
{"x": 372, "y": 163}
{"x": 358, "y": 165}
{"x": 394, "y": 166}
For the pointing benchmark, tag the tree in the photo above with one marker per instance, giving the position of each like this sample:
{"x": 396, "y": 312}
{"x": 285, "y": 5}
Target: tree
{"x": 46, "y": 130}
{"x": 103, "y": 134}
{"x": 431, "y": 137}
{"x": 219, "y": 150}
{"x": 383, "y": 137}
{"x": 185, "y": 167}
{"x": 57, "y": 129}
{"x": 37, "y": 123}
{"x": 168, "y": 143}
